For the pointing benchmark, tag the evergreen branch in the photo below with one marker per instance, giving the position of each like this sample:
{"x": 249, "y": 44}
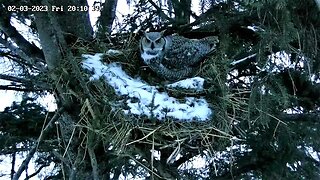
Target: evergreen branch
{"x": 30, "y": 85}
{"x": 25, "y": 163}
{"x": 19, "y": 60}
{"x": 259, "y": 163}
{"x": 304, "y": 117}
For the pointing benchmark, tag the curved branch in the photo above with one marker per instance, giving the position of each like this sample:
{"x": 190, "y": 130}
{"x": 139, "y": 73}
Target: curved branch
{"x": 37, "y": 171}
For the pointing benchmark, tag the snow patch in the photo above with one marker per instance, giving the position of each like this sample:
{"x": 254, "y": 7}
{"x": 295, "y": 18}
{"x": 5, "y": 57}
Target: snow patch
{"x": 191, "y": 83}
{"x": 143, "y": 99}
{"x": 113, "y": 52}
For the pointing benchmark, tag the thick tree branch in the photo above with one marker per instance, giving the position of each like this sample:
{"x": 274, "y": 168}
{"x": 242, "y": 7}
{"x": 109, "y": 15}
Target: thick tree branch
{"x": 29, "y": 49}
{"x": 13, "y": 162}
{"x": 30, "y": 61}
{"x": 108, "y": 15}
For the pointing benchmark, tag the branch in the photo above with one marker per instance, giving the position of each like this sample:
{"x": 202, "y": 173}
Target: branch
{"x": 22, "y": 54}
{"x": 248, "y": 58}
{"x": 108, "y": 15}
{"x": 62, "y": 159}
{"x": 14, "y": 79}
{"x": 37, "y": 172}
{"x": 13, "y": 162}
{"x": 305, "y": 117}
{"x": 236, "y": 171}
{"x": 28, "y": 83}
{"x": 186, "y": 157}
{"x": 29, "y": 49}
{"x": 159, "y": 10}
{"x": 25, "y": 163}
{"x": 18, "y": 88}
{"x": 94, "y": 163}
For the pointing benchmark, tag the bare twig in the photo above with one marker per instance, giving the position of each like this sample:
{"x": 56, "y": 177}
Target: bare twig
{"x": 25, "y": 163}
{"x": 37, "y": 171}
{"x": 159, "y": 10}
{"x": 243, "y": 59}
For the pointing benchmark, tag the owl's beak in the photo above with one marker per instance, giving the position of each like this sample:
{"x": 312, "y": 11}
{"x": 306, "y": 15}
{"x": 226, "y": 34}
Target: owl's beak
{"x": 152, "y": 45}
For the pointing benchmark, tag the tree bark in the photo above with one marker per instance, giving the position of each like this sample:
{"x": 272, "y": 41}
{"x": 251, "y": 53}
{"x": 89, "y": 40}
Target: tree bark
{"x": 107, "y": 17}
{"x": 182, "y": 11}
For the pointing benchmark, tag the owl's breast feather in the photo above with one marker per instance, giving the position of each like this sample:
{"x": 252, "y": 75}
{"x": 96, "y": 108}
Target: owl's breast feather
{"x": 147, "y": 57}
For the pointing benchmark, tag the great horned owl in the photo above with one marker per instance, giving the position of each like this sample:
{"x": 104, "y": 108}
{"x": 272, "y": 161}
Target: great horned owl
{"x": 174, "y": 57}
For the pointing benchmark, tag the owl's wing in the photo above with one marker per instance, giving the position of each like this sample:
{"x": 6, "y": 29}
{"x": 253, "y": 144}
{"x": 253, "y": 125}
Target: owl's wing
{"x": 185, "y": 52}
{"x": 170, "y": 74}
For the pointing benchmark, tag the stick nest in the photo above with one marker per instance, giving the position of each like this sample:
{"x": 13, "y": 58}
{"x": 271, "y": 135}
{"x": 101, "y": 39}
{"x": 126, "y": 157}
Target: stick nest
{"x": 122, "y": 133}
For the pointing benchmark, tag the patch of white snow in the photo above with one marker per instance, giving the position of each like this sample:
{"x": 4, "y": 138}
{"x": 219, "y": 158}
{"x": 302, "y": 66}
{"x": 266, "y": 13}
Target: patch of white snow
{"x": 144, "y": 99}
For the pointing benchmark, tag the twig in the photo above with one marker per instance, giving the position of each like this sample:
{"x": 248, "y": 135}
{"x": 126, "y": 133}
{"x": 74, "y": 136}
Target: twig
{"x": 37, "y": 172}
{"x": 25, "y": 163}
{"x": 243, "y": 59}
{"x": 162, "y": 14}
{"x": 143, "y": 137}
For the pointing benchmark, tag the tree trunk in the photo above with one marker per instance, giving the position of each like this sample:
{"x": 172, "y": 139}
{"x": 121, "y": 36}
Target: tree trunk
{"x": 58, "y": 31}
{"x": 106, "y": 19}
{"x": 182, "y": 11}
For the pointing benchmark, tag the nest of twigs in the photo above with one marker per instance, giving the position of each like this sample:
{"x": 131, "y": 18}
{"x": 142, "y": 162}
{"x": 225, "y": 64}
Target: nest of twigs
{"x": 123, "y": 132}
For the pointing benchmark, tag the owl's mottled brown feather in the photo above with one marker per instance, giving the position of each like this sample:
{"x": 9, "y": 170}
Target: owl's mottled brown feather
{"x": 174, "y": 57}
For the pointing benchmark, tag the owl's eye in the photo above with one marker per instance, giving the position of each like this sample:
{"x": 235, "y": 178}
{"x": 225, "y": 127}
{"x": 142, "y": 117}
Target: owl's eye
{"x": 158, "y": 40}
{"x": 148, "y": 41}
